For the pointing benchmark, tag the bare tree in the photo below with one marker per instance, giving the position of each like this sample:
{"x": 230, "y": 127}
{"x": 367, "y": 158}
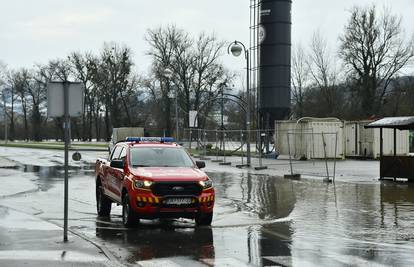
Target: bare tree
{"x": 111, "y": 75}
{"x": 374, "y": 48}
{"x": 324, "y": 73}
{"x": 164, "y": 42}
{"x": 82, "y": 66}
{"x": 209, "y": 72}
{"x": 18, "y": 83}
{"x": 300, "y": 78}
{"x": 22, "y": 80}
{"x": 196, "y": 69}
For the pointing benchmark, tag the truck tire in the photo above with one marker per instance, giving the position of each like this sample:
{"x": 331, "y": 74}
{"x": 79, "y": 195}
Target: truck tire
{"x": 129, "y": 217}
{"x": 204, "y": 219}
{"x": 103, "y": 203}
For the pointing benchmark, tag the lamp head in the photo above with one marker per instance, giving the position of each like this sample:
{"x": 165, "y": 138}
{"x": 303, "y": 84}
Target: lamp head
{"x": 236, "y": 49}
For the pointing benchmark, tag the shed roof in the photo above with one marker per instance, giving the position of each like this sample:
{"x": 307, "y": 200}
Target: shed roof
{"x": 400, "y": 123}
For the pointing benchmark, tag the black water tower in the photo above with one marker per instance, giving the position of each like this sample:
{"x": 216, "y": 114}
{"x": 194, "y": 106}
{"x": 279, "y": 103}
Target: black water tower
{"x": 274, "y": 36}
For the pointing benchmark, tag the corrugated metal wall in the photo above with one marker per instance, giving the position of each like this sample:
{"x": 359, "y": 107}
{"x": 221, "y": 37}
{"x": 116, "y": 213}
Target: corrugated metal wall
{"x": 361, "y": 142}
{"x": 307, "y": 138}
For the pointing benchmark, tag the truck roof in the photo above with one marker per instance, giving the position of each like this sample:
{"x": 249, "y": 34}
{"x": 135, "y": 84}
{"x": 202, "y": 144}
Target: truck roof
{"x": 150, "y": 141}
{"x": 152, "y": 144}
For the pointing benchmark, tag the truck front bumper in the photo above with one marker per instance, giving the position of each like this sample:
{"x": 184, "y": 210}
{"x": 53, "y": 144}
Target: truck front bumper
{"x": 149, "y": 206}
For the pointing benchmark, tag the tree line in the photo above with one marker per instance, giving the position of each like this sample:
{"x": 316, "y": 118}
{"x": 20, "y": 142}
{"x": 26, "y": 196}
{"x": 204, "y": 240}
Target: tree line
{"x": 361, "y": 80}
{"x": 116, "y": 95}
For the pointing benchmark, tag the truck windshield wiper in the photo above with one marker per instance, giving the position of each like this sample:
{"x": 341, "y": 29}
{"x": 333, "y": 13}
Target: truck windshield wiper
{"x": 140, "y": 165}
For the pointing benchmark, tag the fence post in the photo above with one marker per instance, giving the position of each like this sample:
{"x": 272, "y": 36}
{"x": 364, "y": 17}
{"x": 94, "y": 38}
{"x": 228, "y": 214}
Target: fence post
{"x": 190, "y": 140}
{"x": 326, "y": 160}
{"x": 260, "y": 149}
{"x": 290, "y": 156}
{"x": 217, "y": 148}
{"x": 261, "y": 167}
{"x": 336, "y": 147}
{"x": 224, "y": 150}
{"x": 224, "y": 146}
{"x": 242, "y": 144}
{"x": 204, "y": 143}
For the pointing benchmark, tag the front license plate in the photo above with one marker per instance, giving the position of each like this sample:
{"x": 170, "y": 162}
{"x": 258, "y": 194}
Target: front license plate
{"x": 178, "y": 201}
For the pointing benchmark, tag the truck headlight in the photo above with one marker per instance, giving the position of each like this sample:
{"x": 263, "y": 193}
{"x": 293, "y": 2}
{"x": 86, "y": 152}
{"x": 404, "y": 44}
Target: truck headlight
{"x": 143, "y": 184}
{"x": 206, "y": 184}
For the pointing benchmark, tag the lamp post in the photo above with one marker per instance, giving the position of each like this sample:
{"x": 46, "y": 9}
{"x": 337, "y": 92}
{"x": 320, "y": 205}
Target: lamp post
{"x": 168, "y": 74}
{"x": 236, "y": 48}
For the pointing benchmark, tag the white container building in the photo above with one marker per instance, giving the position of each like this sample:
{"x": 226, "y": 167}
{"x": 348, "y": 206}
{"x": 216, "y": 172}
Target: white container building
{"x": 361, "y": 142}
{"x": 305, "y": 138}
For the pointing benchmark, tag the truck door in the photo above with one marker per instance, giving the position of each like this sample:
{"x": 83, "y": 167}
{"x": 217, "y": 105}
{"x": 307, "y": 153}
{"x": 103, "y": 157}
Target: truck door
{"x": 110, "y": 174}
{"x": 118, "y": 174}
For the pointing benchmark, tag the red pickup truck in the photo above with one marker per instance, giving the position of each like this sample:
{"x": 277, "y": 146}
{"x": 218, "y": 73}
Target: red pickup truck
{"x": 153, "y": 178}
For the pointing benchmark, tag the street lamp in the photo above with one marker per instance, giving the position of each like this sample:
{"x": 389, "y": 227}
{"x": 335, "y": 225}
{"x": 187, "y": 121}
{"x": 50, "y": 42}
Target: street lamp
{"x": 168, "y": 73}
{"x": 236, "y": 48}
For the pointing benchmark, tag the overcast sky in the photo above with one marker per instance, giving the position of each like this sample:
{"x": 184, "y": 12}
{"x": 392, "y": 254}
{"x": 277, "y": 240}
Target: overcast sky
{"x": 38, "y": 30}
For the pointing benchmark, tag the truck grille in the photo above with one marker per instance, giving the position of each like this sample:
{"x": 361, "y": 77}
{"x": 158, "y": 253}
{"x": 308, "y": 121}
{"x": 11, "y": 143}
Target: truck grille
{"x": 176, "y": 189}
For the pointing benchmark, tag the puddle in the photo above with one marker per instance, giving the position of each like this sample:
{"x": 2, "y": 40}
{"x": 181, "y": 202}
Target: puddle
{"x": 47, "y": 176}
{"x": 328, "y": 224}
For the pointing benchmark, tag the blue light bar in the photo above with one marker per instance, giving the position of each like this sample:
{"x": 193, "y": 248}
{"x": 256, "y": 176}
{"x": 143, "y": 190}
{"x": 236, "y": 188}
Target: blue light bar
{"x": 150, "y": 139}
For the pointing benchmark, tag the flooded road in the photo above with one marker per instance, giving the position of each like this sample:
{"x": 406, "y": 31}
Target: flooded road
{"x": 258, "y": 221}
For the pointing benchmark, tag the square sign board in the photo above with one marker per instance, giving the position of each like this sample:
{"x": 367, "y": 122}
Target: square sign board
{"x": 55, "y": 101}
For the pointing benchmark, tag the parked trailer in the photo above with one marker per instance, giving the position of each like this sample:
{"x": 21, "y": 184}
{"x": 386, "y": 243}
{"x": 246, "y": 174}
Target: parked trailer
{"x": 122, "y": 133}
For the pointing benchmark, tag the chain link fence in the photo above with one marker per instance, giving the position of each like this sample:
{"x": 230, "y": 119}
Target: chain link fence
{"x": 292, "y": 148}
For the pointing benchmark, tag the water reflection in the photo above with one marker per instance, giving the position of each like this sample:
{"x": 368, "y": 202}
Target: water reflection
{"x": 159, "y": 240}
{"x": 49, "y": 175}
{"x": 329, "y": 225}
{"x": 397, "y": 202}
{"x": 332, "y": 224}
{"x": 268, "y": 197}
{"x": 353, "y": 222}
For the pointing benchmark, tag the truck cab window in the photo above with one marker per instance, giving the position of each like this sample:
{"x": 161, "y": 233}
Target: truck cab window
{"x": 123, "y": 153}
{"x": 116, "y": 152}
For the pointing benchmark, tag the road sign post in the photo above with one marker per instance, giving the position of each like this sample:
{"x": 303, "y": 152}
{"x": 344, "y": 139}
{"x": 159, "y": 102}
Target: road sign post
{"x": 67, "y": 121}
{"x": 65, "y": 99}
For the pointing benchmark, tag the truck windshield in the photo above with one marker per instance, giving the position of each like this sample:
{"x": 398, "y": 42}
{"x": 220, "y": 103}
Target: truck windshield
{"x": 160, "y": 157}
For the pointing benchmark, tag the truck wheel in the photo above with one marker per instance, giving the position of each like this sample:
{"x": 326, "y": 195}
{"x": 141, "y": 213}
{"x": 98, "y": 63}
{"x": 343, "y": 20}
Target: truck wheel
{"x": 204, "y": 219}
{"x": 129, "y": 217}
{"x": 103, "y": 203}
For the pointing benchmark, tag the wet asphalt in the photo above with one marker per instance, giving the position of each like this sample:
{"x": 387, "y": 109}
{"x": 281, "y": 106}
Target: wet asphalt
{"x": 259, "y": 220}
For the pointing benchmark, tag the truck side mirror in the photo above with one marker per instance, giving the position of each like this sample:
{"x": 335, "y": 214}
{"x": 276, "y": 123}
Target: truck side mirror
{"x": 117, "y": 163}
{"x": 200, "y": 164}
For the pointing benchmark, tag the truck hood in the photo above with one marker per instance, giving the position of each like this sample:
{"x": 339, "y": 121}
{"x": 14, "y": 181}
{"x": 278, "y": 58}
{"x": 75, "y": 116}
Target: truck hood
{"x": 169, "y": 173}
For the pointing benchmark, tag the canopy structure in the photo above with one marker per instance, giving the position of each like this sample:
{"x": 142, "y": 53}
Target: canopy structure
{"x": 400, "y": 123}
{"x": 394, "y": 166}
